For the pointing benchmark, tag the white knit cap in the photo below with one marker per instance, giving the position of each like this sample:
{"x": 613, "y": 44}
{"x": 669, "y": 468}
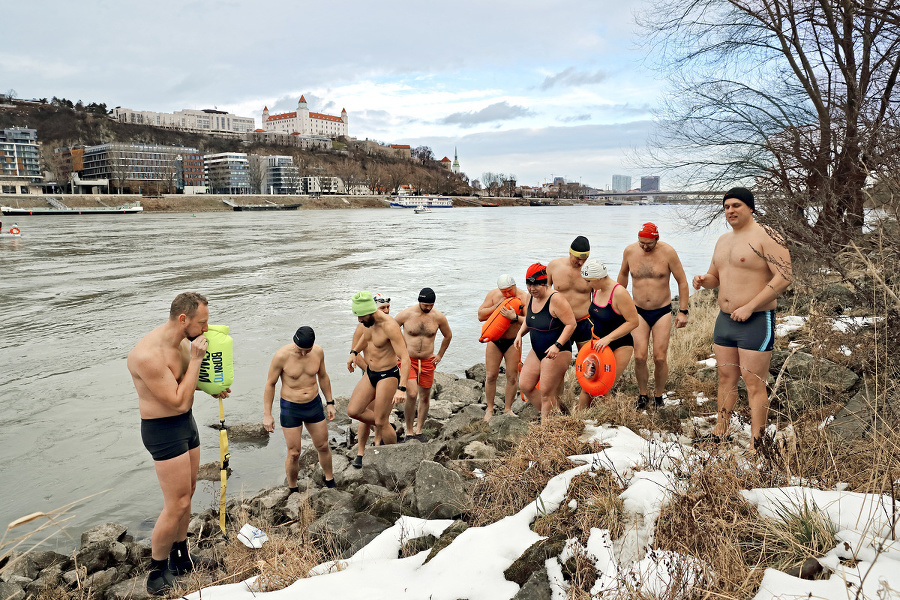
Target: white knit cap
{"x": 593, "y": 269}
{"x": 505, "y": 281}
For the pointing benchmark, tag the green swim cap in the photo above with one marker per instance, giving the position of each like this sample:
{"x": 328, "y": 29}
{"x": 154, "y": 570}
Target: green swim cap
{"x": 363, "y": 304}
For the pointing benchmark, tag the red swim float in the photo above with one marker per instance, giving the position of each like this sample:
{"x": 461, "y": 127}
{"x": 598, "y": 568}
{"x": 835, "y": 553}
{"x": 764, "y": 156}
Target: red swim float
{"x": 497, "y": 324}
{"x": 595, "y": 371}
{"x": 14, "y": 230}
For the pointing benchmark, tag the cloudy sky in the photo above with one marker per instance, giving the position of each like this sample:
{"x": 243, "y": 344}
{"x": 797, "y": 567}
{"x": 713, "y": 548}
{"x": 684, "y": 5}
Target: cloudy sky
{"x": 535, "y": 89}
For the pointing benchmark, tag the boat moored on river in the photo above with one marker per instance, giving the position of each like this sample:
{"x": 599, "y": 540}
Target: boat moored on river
{"x": 424, "y": 201}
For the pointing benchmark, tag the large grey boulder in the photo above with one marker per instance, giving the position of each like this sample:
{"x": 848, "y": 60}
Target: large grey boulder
{"x": 461, "y": 393}
{"x": 95, "y": 557}
{"x": 441, "y": 380}
{"x": 377, "y": 501}
{"x": 324, "y": 500}
{"x": 340, "y": 407}
{"x": 864, "y": 413}
{"x": 20, "y": 565}
{"x": 11, "y": 591}
{"x": 212, "y": 471}
{"x": 101, "y": 580}
{"x": 479, "y": 450}
{"x": 396, "y": 464}
{"x": 130, "y": 589}
{"x": 477, "y": 373}
{"x": 536, "y": 588}
{"x": 264, "y": 503}
{"x": 108, "y": 532}
{"x": 347, "y": 530}
{"x": 439, "y": 492}
{"x": 462, "y": 419}
{"x": 507, "y": 431}
{"x": 244, "y": 432}
{"x": 533, "y": 559}
{"x": 820, "y": 372}
{"x": 450, "y": 534}
{"x": 48, "y": 579}
{"x": 48, "y": 558}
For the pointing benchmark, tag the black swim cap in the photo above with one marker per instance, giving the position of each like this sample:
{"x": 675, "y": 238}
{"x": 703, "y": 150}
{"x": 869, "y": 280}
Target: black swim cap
{"x": 581, "y": 245}
{"x": 426, "y": 296}
{"x": 742, "y": 194}
{"x": 305, "y": 337}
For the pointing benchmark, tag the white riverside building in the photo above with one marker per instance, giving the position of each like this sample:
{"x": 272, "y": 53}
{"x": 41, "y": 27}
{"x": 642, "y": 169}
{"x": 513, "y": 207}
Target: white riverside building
{"x": 207, "y": 120}
{"x": 227, "y": 173}
{"x": 304, "y": 122}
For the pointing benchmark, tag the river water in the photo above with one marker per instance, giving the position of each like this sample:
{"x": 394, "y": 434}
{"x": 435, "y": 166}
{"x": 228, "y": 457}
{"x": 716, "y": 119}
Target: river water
{"x": 79, "y": 292}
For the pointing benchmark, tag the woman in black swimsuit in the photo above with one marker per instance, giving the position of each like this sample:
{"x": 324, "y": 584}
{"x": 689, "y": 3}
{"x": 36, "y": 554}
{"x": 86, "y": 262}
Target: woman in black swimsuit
{"x": 614, "y": 317}
{"x": 550, "y": 321}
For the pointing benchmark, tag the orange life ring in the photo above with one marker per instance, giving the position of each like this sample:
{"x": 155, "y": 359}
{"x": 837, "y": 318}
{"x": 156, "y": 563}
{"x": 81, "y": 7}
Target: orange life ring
{"x": 14, "y": 230}
{"x": 497, "y": 324}
{"x": 595, "y": 371}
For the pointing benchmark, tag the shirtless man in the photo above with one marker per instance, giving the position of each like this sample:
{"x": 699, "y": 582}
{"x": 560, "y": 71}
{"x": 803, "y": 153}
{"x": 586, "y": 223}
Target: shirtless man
{"x": 564, "y": 275}
{"x": 164, "y": 367}
{"x": 420, "y": 324}
{"x": 385, "y": 383}
{"x": 301, "y": 368}
{"x": 751, "y": 269}
{"x": 384, "y": 305}
{"x": 502, "y": 349}
{"x": 650, "y": 263}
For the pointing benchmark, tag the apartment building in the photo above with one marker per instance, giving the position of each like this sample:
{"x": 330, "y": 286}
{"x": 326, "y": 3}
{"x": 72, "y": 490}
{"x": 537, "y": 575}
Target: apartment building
{"x": 208, "y": 120}
{"x": 142, "y": 168}
{"x": 227, "y": 173}
{"x": 20, "y": 161}
{"x": 281, "y": 176}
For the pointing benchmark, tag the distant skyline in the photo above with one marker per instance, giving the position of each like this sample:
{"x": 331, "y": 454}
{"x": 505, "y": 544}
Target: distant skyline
{"x": 527, "y": 88}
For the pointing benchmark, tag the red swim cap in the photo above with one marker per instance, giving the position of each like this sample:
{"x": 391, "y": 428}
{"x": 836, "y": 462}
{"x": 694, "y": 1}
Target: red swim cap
{"x": 536, "y": 273}
{"x": 649, "y": 231}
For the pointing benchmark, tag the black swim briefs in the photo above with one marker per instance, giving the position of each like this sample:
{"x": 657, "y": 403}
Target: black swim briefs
{"x": 376, "y": 376}
{"x": 652, "y": 315}
{"x": 168, "y": 437}
{"x": 295, "y": 414}
{"x": 504, "y": 344}
{"x": 756, "y": 333}
{"x": 584, "y": 330}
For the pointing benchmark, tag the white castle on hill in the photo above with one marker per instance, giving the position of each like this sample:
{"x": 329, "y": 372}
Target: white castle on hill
{"x": 304, "y": 122}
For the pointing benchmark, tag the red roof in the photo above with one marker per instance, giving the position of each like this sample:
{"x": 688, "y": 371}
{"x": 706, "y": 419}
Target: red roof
{"x": 445, "y": 159}
{"x": 265, "y": 108}
{"x": 313, "y": 115}
{"x": 302, "y": 98}
{"x": 283, "y": 116}
{"x": 259, "y": 130}
{"x": 400, "y": 146}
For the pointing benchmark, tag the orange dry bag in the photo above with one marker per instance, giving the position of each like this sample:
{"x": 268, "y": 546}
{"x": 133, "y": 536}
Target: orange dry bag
{"x": 497, "y": 324}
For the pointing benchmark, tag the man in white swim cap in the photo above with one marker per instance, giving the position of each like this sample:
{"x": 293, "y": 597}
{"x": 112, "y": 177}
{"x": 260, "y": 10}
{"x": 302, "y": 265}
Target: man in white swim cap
{"x": 502, "y": 349}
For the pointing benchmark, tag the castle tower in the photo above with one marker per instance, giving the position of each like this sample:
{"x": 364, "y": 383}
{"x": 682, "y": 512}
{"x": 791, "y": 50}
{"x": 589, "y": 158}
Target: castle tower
{"x": 344, "y": 116}
{"x": 303, "y": 124}
{"x": 455, "y": 167}
{"x": 265, "y": 116}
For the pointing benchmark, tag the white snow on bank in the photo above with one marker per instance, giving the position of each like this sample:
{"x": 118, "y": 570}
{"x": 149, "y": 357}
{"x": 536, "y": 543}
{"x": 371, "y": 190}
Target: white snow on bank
{"x": 846, "y": 324}
{"x": 472, "y": 566}
{"x": 788, "y": 323}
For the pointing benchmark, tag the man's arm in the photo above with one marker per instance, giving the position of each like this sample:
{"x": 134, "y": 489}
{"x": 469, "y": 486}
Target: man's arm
{"x": 444, "y": 327}
{"x": 677, "y": 270}
{"x": 325, "y": 386}
{"x": 487, "y": 307}
{"x": 161, "y": 382}
{"x": 709, "y": 280}
{"x": 778, "y": 259}
{"x": 398, "y": 343}
{"x": 622, "y": 278}
{"x": 357, "y": 358}
{"x": 275, "y": 368}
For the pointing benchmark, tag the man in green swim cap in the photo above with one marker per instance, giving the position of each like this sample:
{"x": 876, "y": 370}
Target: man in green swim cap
{"x": 385, "y": 383}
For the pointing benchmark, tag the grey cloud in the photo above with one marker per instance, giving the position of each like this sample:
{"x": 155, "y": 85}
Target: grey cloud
{"x": 575, "y": 118}
{"x": 499, "y": 111}
{"x": 570, "y": 77}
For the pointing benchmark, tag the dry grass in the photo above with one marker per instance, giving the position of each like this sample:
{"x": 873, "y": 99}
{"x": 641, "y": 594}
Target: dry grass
{"x": 519, "y": 476}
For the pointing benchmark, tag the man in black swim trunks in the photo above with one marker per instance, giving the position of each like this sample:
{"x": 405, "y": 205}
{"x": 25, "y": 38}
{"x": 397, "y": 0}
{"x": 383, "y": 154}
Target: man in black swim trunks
{"x": 301, "y": 368}
{"x": 502, "y": 349}
{"x": 651, "y": 263}
{"x": 751, "y": 268}
{"x": 384, "y": 385}
{"x": 164, "y": 367}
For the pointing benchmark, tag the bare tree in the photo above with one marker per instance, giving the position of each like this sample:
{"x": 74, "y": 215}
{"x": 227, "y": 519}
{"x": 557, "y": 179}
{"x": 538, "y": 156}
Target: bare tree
{"x": 795, "y": 97}
{"x": 118, "y": 167}
{"x": 256, "y": 170}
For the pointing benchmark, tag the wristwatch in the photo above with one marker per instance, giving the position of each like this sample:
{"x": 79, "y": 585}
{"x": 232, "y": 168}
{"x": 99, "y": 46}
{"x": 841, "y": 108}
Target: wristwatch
{"x": 402, "y": 388}
{"x": 683, "y": 311}
{"x": 558, "y": 345}
{"x": 354, "y": 352}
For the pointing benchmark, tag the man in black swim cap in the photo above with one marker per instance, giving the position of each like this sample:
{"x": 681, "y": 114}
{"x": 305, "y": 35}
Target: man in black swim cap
{"x": 420, "y": 324}
{"x": 301, "y": 368}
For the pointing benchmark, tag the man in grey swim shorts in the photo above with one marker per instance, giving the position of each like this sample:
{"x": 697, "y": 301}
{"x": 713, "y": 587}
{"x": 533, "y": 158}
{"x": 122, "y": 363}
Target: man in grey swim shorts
{"x": 751, "y": 269}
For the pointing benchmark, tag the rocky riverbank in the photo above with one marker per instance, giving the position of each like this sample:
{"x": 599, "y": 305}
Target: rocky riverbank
{"x": 433, "y": 479}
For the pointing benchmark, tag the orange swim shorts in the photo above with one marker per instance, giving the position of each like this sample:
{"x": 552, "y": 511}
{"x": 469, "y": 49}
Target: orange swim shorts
{"x": 421, "y": 370}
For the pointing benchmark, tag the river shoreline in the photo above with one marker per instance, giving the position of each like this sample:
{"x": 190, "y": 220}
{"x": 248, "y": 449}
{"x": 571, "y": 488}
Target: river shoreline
{"x": 178, "y": 203}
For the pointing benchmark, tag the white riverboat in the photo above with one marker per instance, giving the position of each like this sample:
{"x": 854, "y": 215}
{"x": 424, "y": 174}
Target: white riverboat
{"x": 405, "y": 201}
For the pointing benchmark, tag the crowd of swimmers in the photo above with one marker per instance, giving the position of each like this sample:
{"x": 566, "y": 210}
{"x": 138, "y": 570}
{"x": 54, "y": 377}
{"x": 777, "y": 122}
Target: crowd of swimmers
{"x": 567, "y": 303}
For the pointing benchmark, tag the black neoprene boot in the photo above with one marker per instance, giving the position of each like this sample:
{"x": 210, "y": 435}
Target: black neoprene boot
{"x": 160, "y": 580}
{"x": 181, "y": 562}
